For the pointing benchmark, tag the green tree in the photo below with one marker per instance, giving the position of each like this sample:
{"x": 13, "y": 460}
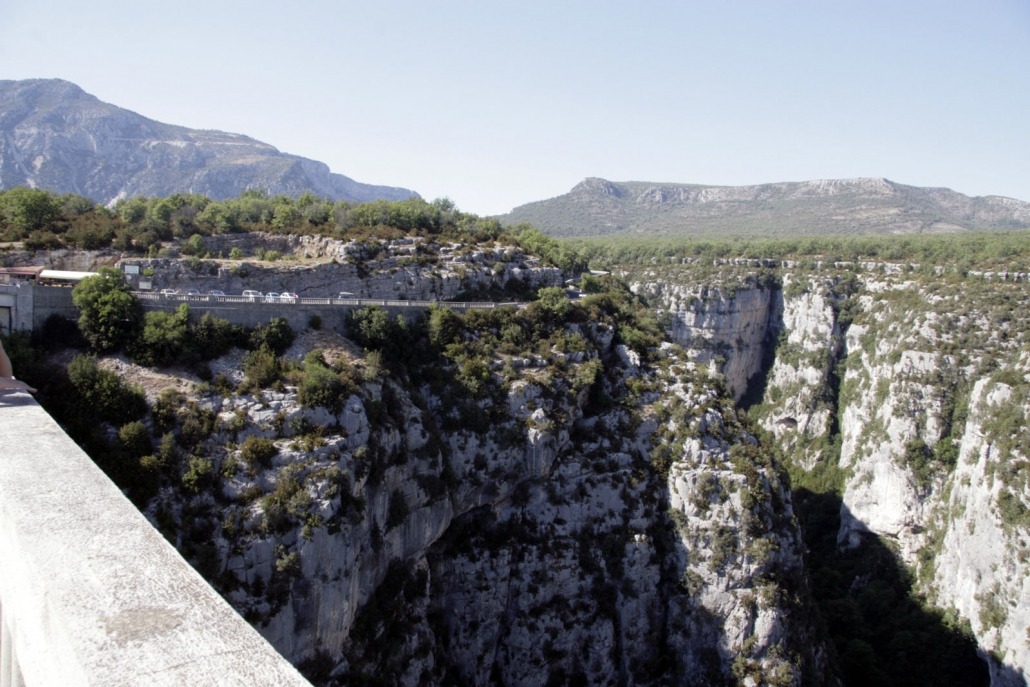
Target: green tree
{"x": 213, "y": 337}
{"x": 277, "y": 335}
{"x": 445, "y": 326}
{"x": 195, "y": 245}
{"x": 110, "y": 315}
{"x": 554, "y": 302}
{"x": 372, "y": 327}
{"x": 135, "y": 439}
{"x": 29, "y": 209}
{"x": 165, "y": 338}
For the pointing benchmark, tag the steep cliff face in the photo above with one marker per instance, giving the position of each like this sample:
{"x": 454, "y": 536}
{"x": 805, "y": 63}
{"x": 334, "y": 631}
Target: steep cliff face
{"x": 912, "y": 387}
{"x": 565, "y": 512}
{"x": 981, "y": 568}
{"x": 727, "y": 328}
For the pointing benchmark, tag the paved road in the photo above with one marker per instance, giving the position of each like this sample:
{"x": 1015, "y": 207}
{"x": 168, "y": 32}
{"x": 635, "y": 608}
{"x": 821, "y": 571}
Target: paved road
{"x": 384, "y": 302}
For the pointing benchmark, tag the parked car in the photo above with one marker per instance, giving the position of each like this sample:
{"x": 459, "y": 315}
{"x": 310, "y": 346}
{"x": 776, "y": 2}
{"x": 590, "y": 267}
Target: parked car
{"x": 216, "y": 294}
{"x": 192, "y": 292}
{"x": 271, "y": 297}
{"x": 169, "y": 293}
{"x": 253, "y": 295}
{"x": 344, "y": 295}
{"x": 287, "y": 297}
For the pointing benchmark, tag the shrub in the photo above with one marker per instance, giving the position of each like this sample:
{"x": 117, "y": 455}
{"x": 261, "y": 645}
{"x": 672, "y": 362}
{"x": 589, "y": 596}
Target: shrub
{"x": 166, "y": 408}
{"x": 258, "y": 452}
{"x": 197, "y": 424}
{"x": 198, "y": 472}
{"x": 104, "y": 393}
{"x": 276, "y": 335}
{"x": 260, "y": 368}
{"x": 213, "y": 337}
{"x": 321, "y": 387}
{"x": 135, "y": 439}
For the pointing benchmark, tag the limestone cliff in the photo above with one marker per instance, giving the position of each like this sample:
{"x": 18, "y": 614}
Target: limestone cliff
{"x": 912, "y": 385}
{"x": 556, "y": 510}
{"x": 412, "y": 268}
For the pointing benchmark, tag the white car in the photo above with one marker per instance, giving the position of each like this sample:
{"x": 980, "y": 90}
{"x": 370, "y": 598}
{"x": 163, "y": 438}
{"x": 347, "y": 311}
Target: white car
{"x": 169, "y": 293}
{"x": 287, "y": 297}
{"x": 271, "y": 297}
{"x": 253, "y": 295}
{"x": 216, "y": 294}
{"x": 192, "y": 292}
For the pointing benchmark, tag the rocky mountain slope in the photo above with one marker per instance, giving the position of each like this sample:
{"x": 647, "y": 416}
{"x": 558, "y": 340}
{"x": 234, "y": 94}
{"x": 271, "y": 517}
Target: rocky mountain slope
{"x": 907, "y": 389}
{"x": 597, "y": 207}
{"x": 54, "y": 136}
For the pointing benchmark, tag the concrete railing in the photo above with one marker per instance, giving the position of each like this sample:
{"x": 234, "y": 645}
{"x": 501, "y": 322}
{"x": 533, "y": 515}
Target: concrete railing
{"x": 90, "y": 593}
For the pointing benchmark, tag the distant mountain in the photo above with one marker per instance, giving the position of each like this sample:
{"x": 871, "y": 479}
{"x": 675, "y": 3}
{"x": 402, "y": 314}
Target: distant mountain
{"x": 597, "y": 207}
{"x": 55, "y": 136}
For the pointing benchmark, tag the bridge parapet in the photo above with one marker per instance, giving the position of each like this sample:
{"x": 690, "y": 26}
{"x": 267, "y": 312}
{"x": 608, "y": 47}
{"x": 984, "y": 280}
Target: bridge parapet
{"x": 91, "y": 593}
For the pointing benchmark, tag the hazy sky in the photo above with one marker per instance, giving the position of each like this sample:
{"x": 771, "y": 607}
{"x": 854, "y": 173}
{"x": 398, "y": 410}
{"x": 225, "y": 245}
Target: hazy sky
{"x": 496, "y": 104}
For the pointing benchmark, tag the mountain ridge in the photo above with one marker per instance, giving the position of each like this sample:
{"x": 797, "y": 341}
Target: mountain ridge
{"x": 56, "y": 136}
{"x": 599, "y": 207}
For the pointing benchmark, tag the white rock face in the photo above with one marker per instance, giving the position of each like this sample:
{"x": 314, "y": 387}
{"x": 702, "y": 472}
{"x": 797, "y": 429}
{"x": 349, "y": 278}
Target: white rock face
{"x": 939, "y": 484}
{"x": 722, "y": 328}
{"x": 797, "y": 383}
{"x": 406, "y": 269}
{"x": 542, "y": 544}
{"x": 982, "y": 569}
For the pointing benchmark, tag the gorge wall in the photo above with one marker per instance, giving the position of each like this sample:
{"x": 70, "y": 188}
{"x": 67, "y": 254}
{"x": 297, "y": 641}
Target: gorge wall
{"x": 528, "y": 501}
{"x": 909, "y": 384}
{"x": 554, "y": 495}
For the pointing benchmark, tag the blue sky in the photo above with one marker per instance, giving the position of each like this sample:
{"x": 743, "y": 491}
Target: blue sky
{"x": 496, "y": 104}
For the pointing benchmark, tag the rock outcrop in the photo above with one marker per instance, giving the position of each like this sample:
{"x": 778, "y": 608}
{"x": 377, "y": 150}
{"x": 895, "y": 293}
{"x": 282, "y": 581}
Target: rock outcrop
{"x": 407, "y": 269}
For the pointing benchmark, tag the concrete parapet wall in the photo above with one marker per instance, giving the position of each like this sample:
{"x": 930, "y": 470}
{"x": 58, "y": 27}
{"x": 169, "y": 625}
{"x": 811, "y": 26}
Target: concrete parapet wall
{"x": 90, "y": 593}
{"x": 52, "y": 300}
{"x": 332, "y": 312}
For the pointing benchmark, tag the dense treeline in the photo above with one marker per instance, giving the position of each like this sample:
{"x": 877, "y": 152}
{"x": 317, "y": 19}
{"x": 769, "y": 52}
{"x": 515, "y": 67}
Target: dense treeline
{"x": 42, "y": 220}
{"x": 964, "y": 251}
